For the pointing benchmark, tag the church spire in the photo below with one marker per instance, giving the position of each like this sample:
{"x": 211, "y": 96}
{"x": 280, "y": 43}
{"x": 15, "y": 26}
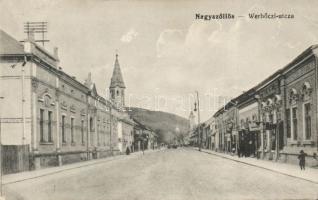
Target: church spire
{"x": 117, "y": 86}
{"x": 117, "y": 78}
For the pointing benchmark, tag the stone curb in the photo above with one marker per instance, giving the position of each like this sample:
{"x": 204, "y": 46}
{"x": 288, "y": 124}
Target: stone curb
{"x": 272, "y": 170}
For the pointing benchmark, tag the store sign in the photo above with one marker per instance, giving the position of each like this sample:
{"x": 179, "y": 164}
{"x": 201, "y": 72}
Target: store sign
{"x": 253, "y": 127}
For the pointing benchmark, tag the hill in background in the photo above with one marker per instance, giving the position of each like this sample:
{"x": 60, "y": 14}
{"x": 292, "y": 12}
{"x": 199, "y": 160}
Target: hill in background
{"x": 167, "y": 125}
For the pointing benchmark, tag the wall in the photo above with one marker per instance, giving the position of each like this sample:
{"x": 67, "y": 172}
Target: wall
{"x": 11, "y": 105}
{"x": 295, "y": 82}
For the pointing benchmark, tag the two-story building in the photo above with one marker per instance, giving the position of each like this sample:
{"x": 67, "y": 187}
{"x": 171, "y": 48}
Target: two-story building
{"x": 49, "y": 117}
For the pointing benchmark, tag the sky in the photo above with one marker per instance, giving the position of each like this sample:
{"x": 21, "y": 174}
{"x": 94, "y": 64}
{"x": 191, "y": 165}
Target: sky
{"x": 165, "y": 53}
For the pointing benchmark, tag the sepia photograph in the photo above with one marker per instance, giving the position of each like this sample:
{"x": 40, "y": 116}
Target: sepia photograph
{"x": 158, "y": 99}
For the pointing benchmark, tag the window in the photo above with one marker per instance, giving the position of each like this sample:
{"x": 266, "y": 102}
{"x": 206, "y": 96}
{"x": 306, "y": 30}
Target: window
{"x": 104, "y": 136}
{"x": 271, "y": 118}
{"x": 307, "y": 121}
{"x": 42, "y": 125}
{"x": 265, "y": 141}
{"x": 294, "y": 118}
{"x": 63, "y": 129}
{"x": 91, "y": 127}
{"x": 72, "y": 130}
{"x": 288, "y": 123}
{"x": 82, "y": 131}
{"x": 112, "y": 93}
{"x": 49, "y": 127}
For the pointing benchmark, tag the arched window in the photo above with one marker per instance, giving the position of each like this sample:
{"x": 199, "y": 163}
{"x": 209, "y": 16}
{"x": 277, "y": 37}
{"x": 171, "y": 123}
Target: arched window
{"x": 277, "y": 99}
{"x": 269, "y": 102}
{"x": 293, "y": 96}
{"x": 306, "y": 86}
{"x": 306, "y": 91}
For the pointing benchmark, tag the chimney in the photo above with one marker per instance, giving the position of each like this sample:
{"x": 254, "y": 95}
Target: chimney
{"x": 31, "y": 37}
{"x": 89, "y": 78}
{"x": 29, "y": 42}
{"x": 56, "y": 56}
{"x": 56, "y": 52}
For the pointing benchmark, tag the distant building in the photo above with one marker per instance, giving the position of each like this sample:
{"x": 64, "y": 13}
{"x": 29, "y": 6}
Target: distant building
{"x": 144, "y": 137}
{"x": 190, "y": 139}
{"x": 191, "y": 120}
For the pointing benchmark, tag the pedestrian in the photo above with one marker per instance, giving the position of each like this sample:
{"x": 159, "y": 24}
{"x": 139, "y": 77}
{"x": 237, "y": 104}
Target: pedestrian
{"x": 302, "y": 159}
{"x": 127, "y": 151}
{"x": 239, "y": 151}
{"x": 242, "y": 150}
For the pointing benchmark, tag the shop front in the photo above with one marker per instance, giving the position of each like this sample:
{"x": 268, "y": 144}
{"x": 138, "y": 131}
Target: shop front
{"x": 230, "y": 136}
{"x": 249, "y": 131}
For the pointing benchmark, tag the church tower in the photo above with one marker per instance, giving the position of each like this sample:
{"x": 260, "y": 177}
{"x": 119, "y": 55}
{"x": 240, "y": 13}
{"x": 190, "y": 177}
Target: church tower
{"x": 191, "y": 120}
{"x": 117, "y": 86}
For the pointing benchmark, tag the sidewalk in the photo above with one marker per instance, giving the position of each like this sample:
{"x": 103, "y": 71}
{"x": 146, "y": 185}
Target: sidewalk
{"x": 310, "y": 174}
{"x": 18, "y": 177}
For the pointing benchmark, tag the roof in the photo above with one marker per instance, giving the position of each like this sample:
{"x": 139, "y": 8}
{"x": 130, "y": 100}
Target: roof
{"x": 117, "y": 78}
{"x": 92, "y": 87}
{"x": 287, "y": 67}
{"x": 191, "y": 115}
{"x": 246, "y": 95}
{"x": 9, "y": 45}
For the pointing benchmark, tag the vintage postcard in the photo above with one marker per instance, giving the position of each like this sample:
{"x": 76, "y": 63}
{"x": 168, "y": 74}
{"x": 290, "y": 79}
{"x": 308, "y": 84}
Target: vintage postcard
{"x": 158, "y": 99}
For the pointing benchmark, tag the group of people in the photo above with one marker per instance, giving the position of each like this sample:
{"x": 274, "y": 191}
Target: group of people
{"x": 246, "y": 149}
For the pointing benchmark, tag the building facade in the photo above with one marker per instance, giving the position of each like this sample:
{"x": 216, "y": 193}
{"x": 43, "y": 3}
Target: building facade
{"x": 249, "y": 132}
{"x": 278, "y": 117}
{"x": 59, "y": 119}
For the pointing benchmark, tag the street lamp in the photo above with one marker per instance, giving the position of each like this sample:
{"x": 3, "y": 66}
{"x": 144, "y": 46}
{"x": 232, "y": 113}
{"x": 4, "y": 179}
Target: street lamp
{"x": 197, "y": 103}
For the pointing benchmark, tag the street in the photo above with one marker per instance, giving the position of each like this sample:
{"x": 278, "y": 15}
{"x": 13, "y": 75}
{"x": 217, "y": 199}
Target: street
{"x": 171, "y": 174}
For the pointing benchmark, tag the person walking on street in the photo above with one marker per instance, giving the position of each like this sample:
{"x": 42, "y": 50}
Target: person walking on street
{"x": 239, "y": 151}
{"x": 127, "y": 151}
{"x": 302, "y": 159}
